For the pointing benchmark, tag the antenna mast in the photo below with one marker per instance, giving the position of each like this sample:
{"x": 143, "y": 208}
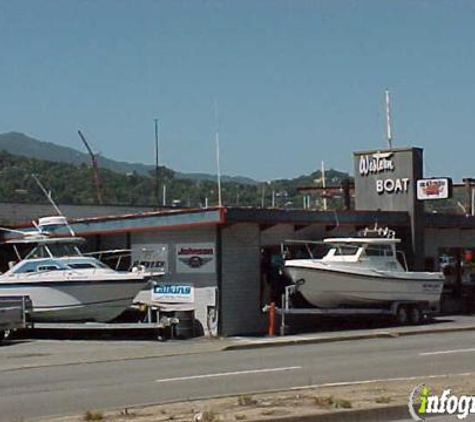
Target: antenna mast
{"x": 95, "y": 169}
{"x": 157, "y": 162}
{"x": 218, "y": 167}
{"x": 324, "y": 185}
{"x": 50, "y": 199}
{"x": 388, "y": 121}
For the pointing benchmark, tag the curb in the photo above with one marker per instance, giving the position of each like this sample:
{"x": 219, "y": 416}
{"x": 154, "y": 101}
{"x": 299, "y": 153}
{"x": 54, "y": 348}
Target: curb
{"x": 382, "y": 334}
{"x": 377, "y": 414}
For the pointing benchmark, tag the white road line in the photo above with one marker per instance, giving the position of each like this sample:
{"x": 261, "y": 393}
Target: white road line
{"x": 227, "y": 374}
{"x": 374, "y": 381}
{"x": 447, "y": 352}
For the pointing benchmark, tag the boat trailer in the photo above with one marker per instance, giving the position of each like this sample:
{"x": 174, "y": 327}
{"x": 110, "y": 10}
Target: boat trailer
{"x": 15, "y": 312}
{"x": 403, "y": 312}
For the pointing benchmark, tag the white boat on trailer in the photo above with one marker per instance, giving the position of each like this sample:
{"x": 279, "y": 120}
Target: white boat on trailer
{"x": 66, "y": 286}
{"x": 364, "y": 272}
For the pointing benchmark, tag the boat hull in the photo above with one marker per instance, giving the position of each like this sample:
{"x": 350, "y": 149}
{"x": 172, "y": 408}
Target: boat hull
{"x": 327, "y": 287}
{"x": 77, "y": 300}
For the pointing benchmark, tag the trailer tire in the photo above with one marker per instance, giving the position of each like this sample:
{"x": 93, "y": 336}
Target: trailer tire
{"x": 415, "y": 315}
{"x": 402, "y": 315}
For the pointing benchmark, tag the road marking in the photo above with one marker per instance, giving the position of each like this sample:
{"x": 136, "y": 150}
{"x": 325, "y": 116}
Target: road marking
{"x": 227, "y": 374}
{"x": 447, "y": 352}
{"x": 374, "y": 381}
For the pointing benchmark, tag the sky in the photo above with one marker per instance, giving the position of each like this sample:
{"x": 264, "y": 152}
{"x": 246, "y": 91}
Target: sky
{"x": 289, "y": 84}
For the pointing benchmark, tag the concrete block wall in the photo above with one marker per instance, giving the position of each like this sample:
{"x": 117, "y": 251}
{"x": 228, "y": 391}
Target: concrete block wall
{"x": 240, "y": 285}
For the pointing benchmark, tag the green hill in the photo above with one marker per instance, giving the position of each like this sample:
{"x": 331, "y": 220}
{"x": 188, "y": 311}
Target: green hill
{"x": 73, "y": 184}
{"x": 20, "y": 144}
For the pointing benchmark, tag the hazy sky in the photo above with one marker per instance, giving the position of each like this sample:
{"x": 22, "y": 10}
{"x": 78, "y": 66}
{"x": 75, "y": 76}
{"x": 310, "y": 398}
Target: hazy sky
{"x": 296, "y": 82}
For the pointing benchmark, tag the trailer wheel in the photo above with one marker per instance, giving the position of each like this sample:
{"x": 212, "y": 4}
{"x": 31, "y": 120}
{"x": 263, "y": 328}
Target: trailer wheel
{"x": 415, "y": 315}
{"x": 402, "y": 315}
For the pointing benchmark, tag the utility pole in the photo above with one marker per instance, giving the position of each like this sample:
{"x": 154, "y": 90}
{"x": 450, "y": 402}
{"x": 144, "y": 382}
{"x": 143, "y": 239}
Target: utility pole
{"x": 324, "y": 185}
{"x": 218, "y": 158}
{"x": 157, "y": 164}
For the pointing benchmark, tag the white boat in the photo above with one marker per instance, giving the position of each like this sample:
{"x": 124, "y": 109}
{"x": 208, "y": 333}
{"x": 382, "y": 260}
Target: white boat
{"x": 362, "y": 272}
{"x": 64, "y": 285}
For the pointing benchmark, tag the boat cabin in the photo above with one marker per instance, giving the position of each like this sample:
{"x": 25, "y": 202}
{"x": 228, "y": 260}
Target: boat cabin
{"x": 53, "y": 254}
{"x": 380, "y": 253}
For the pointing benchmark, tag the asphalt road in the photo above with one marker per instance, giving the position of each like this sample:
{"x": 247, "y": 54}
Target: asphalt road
{"x": 61, "y": 390}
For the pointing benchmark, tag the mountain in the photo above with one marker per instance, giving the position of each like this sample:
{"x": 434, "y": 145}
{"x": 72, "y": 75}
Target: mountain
{"x": 17, "y": 143}
{"x": 75, "y": 184}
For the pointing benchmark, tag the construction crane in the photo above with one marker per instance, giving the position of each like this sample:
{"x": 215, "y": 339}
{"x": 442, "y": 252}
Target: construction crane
{"x": 95, "y": 169}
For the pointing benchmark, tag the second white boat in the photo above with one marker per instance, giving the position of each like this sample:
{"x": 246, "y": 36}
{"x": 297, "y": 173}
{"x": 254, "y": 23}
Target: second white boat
{"x": 362, "y": 272}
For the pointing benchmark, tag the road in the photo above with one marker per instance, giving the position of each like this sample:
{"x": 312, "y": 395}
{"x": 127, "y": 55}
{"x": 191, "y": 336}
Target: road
{"x": 68, "y": 389}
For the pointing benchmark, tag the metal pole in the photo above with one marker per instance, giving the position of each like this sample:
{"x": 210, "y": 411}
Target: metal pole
{"x": 218, "y": 165}
{"x": 324, "y": 184}
{"x": 282, "y": 319}
{"x": 218, "y": 169}
{"x": 388, "y": 122}
{"x": 157, "y": 163}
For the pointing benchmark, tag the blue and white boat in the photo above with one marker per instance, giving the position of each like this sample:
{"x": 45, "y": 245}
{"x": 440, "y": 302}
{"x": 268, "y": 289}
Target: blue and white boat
{"x": 64, "y": 285}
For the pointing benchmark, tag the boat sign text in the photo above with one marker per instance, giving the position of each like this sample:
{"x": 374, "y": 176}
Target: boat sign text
{"x": 173, "y": 293}
{"x": 379, "y": 162}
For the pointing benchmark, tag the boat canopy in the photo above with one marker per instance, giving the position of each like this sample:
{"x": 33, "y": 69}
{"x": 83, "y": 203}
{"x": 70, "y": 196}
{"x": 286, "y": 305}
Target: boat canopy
{"x": 45, "y": 240}
{"x": 360, "y": 241}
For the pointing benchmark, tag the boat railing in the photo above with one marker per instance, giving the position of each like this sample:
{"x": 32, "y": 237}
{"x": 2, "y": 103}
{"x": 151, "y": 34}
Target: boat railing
{"x": 377, "y": 232}
{"x": 117, "y": 259}
{"x": 402, "y": 256}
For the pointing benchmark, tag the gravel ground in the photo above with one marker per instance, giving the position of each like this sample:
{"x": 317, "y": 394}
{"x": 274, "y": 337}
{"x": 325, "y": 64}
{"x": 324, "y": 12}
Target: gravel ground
{"x": 288, "y": 404}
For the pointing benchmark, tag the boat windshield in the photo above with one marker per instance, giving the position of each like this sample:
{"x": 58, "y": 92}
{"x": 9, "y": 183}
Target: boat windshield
{"x": 379, "y": 250}
{"x": 346, "y": 250}
{"x": 56, "y": 250}
{"x": 90, "y": 263}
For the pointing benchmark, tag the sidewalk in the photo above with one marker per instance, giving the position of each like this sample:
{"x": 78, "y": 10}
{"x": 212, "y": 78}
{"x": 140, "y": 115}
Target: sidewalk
{"x": 440, "y": 325}
{"x": 20, "y": 354}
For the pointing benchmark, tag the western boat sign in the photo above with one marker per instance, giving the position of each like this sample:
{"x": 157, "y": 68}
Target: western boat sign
{"x": 378, "y": 162}
{"x": 433, "y": 188}
{"x": 382, "y": 162}
{"x": 173, "y": 293}
{"x": 386, "y": 180}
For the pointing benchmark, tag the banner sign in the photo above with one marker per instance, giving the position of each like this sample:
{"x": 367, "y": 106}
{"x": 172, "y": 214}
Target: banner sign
{"x": 173, "y": 293}
{"x": 153, "y": 257}
{"x": 434, "y": 188}
{"x": 196, "y": 258}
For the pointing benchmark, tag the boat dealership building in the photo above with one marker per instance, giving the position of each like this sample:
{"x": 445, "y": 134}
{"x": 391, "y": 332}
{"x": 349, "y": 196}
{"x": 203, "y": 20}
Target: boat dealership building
{"x": 223, "y": 262}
